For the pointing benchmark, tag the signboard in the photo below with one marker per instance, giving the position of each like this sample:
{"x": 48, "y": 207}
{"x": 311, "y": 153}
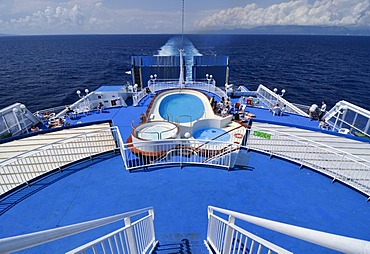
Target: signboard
{"x": 262, "y": 134}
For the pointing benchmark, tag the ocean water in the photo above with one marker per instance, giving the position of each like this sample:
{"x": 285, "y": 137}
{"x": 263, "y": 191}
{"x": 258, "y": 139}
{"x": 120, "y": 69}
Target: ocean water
{"x": 46, "y": 71}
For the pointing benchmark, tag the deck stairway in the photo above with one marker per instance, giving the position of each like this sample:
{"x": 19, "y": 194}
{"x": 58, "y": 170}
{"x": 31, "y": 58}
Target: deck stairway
{"x": 24, "y": 159}
{"x": 181, "y": 247}
{"x": 354, "y": 147}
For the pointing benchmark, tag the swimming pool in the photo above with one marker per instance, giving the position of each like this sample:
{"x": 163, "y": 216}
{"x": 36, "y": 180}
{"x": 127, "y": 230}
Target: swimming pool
{"x": 211, "y": 133}
{"x": 181, "y": 107}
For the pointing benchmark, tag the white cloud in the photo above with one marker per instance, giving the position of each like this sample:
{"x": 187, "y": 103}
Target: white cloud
{"x": 301, "y": 12}
{"x": 88, "y": 16}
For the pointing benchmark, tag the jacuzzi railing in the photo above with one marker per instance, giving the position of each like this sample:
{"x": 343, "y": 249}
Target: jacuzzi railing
{"x": 179, "y": 151}
{"x": 159, "y": 134}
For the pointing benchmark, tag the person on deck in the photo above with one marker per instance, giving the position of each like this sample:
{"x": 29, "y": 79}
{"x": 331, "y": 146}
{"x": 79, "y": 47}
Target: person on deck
{"x": 312, "y": 111}
{"x": 34, "y": 128}
{"x": 322, "y": 110}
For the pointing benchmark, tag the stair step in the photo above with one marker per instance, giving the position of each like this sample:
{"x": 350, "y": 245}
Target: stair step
{"x": 183, "y": 246}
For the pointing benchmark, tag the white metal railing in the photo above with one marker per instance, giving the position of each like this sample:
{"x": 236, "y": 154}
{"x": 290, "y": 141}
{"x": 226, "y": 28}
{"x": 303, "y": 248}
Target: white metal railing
{"x": 172, "y": 84}
{"x": 134, "y": 237}
{"x": 15, "y": 119}
{"x": 88, "y": 104}
{"x": 55, "y": 110}
{"x": 138, "y": 96}
{"x": 225, "y": 237}
{"x": 158, "y": 85}
{"x": 181, "y": 151}
{"x": 26, "y": 166}
{"x": 345, "y": 115}
{"x": 339, "y": 165}
{"x": 269, "y": 98}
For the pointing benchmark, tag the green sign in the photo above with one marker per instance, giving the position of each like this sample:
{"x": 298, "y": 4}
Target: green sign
{"x": 262, "y": 134}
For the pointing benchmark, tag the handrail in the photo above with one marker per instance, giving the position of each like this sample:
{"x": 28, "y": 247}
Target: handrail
{"x": 342, "y": 108}
{"x": 356, "y": 172}
{"x": 335, "y": 242}
{"x": 42, "y": 147}
{"x": 316, "y": 144}
{"x": 141, "y": 154}
{"x": 20, "y": 242}
{"x": 20, "y": 169}
{"x": 157, "y": 86}
{"x": 277, "y": 97}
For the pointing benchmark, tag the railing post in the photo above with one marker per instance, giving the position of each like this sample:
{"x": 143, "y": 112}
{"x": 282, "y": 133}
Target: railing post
{"x": 231, "y": 149}
{"x": 130, "y": 236}
{"x": 228, "y": 235}
{"x": 151, "y": 213}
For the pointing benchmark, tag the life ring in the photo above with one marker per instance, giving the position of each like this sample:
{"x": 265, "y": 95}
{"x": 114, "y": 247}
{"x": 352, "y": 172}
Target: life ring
{"x": 238, "y": 135}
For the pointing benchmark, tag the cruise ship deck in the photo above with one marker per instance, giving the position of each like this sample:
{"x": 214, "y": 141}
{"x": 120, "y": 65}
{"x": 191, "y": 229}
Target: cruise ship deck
{"x": 262, "y": 185}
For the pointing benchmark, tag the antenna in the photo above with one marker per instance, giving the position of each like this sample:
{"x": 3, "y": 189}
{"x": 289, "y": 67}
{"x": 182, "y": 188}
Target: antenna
{"x": 182, "y": 24}
{"x": 182, "y": 79}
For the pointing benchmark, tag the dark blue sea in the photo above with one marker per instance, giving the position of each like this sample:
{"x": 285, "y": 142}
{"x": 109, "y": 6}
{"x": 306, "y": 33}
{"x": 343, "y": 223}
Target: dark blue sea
{"x": 46, "y": 71}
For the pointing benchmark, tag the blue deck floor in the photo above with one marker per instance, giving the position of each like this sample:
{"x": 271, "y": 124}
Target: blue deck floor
{"x": 270, "y": 188}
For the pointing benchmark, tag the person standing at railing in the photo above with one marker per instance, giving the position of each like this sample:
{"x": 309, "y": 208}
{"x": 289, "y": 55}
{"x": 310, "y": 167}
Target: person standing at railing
{"x": 283, "y": 109}
{"x": 322, "y": 110}
{"x": 100, "y": 107}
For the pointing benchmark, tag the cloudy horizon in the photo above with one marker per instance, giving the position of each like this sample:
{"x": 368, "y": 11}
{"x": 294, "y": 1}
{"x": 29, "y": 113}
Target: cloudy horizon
{"x": 147, "y": 17}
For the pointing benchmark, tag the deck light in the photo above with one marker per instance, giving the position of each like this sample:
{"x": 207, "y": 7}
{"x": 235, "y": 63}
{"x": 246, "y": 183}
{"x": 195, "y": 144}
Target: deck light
{"x": 78, "y": 93}
{"x": 282, "y": 92}
{"x": 187, "y": 135}
{"x": 86, "y": 91}
{"x": 15, "y": 110}
{"x": 22, "y": 106}
{"x": 275, "y": 90}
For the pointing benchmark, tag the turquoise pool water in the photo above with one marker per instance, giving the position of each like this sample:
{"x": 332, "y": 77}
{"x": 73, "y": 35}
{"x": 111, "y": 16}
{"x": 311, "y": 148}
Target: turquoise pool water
{"x": 181, "y": 107}
{"x": 211, "y": 133}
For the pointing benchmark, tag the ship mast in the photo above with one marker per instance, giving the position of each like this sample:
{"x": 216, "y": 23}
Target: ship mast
{"x": 181, "y": 79}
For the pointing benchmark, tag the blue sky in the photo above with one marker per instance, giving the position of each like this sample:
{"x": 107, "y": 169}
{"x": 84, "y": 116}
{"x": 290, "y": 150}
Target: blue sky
{"x": 164, "y": 16}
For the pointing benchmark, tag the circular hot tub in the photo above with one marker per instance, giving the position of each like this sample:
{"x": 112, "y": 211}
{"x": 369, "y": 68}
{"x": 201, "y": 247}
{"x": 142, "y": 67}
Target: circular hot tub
{"x": 211, "y": 133}
{"x": 157, "y": 130}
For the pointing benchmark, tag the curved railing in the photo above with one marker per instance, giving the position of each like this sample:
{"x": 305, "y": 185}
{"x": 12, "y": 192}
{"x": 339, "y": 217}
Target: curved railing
{"x": 24, "y": 167}
{"x": 179, "y": 151}
{"x": 340, "y": 165}
{"x": 172, "y": 84}
{"x": 158, "y": 134}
